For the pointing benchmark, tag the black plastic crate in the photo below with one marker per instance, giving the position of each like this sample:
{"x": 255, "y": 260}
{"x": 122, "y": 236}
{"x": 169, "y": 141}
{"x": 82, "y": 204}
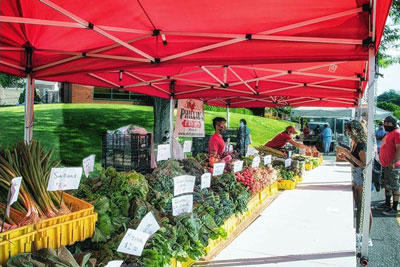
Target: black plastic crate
{"x": 127, "y": 152}
{"x": 200, "y": 144}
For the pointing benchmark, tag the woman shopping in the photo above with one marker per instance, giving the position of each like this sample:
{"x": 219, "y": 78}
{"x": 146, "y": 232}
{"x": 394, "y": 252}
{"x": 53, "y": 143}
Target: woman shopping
{"x": 356, "y": 156}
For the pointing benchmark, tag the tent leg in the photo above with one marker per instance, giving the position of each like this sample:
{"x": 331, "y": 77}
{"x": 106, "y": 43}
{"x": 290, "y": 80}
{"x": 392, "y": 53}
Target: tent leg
{"x": 29, "y": 112}
{"x": 366, "y": 205}
{"x": 171, "y": 122}
{"x": 227, "y": 116}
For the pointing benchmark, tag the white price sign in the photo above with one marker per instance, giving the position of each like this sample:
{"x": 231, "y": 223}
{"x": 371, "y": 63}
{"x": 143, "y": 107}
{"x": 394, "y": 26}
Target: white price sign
{"x": 64, "y": 179}
{"x": 267, "y": 159}
{"x": 114, "y": 263}
{"x": 148, "y": 224}
{"x": 302, "y": 151}
{"x": 206, "y": 180}
{"x": 187, "y": 146}
{"x": 133, "y": 242}
{"x": 182, "y": 204}
{"x": 256, "y": 162}
{"x": 183, "y": 184}
{"x": 218, "y": 169}
{"x": 238, "y": 166}
{"x": 250, "y": 151}
{"x": 88, "y": 164}
{"x": 288, "y": 162}
{"x": 14, "y": 191}
{"x": 290, "y": 154}
{"x": 163, "y": 152}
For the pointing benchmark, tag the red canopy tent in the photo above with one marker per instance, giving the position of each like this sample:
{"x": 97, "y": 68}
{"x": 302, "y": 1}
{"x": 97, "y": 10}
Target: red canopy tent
{"x": 301, "y": 52}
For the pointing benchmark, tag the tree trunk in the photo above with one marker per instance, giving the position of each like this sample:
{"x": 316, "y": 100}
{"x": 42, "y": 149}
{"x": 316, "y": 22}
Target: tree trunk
{"x": 161, "y": 118}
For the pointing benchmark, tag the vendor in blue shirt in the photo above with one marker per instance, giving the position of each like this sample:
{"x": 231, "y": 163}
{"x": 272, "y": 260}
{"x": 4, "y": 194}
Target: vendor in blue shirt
{"x": 327, "y": 138}
{"x": 379, "y": 134}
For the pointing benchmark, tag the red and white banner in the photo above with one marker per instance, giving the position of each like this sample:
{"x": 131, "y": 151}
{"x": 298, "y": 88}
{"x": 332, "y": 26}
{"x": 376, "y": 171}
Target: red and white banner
{"x": 190, "y": 118}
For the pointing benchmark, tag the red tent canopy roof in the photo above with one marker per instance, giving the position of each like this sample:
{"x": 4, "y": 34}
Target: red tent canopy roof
{"x": 84, "y": 42}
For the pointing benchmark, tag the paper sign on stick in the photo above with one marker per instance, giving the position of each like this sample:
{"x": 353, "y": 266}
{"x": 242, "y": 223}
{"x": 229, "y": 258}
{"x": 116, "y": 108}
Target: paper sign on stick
{"x": 267, "y": 159}
{"x": 148, "y": 224}
{"x": 64, "y": 179}
{"x": 133, "y": 242}
{"x": 114, "y": 263}
{"x": 288, "y": 162}
{"x": 183, "y": 184}
{"x": 218, "y": 169}
{"x": 256, "y": 162}
{"x": 88, "y": 164}
{"x": 290, "y": 154}
{"x": 187, "y": 146}
{"x": 302, "y": 151}
{"x": 250, "y": 151}
{"x": 182, "y": 204}
{"x": 238, "y": 166}
{"x": 206, "y": 180}
{"x": 14, "y": 191}
{"x": 163, "y": 152}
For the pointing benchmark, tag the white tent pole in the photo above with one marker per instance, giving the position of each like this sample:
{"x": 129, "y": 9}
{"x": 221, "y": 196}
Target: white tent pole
{"x": 227, "y": 116}
{"x": 29, "y": 112}
{"x": 171, "y": 122}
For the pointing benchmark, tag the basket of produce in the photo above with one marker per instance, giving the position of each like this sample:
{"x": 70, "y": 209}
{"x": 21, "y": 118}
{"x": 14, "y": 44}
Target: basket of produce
{"x": 270, "y": 151}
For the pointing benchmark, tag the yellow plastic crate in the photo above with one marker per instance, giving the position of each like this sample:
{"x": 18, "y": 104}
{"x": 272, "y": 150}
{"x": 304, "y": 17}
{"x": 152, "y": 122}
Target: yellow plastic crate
{"x": 230, "y": 224}
{"x": 309, "y": 166}
{"x": 188, "y": 263}
{"x": 67, "y": 229}
{"x": 266, "y": 192}
{"x": 15, "y": 242}
{"x": 299, "y": 179}
{"x": 287, "y": 185}
{"x": 254, "y": 203}
{"x": 274, "y": 188}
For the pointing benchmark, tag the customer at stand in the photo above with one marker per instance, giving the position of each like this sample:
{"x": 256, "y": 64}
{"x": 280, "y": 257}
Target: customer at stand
{"x": 317, "y": 131}
{"x": 357, "y": 157}
{"x": 379, "y": 134}
{"x": 244, "y": 134}
{"x": 216, "y": 146}
{"x": 389, "y": 157}
{"x": 327, "y": 138}
{"x": 285, "y": 137}
{"x": 306, "y": 131}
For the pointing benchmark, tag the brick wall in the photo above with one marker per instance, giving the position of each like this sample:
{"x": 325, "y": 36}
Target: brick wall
{"x": 84, "y": 94}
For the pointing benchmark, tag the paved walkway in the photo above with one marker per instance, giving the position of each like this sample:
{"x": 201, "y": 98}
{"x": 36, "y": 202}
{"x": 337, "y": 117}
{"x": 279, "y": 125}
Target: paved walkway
{"x": 310, "y": 226}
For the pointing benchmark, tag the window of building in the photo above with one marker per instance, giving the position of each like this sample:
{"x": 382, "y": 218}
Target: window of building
{"x": 101, "y": 93}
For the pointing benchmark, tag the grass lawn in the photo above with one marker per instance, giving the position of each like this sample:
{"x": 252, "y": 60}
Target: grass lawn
{"x": 74, "y": 130}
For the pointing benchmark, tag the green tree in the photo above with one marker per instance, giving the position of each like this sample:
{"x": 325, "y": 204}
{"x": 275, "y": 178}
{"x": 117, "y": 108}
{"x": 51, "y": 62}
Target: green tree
{"x": 391, "y": 96}
{"x": 21, "y": 99}
{"x": 391, "y": 37}
{"x": 388, "y": 106}
{"x": 7, "y": 80}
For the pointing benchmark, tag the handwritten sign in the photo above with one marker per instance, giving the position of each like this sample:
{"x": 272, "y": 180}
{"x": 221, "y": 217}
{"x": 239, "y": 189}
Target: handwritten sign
{"x": 148, "y": 224}
{"x": 302, "y": 151}
{"x": 14, "y": 191}
{"x": 218, "y": 169}
{"x": 182, "y": 204}
{"x": 238, "y": 166}
{"x": 187, "y": 146}
{"x": 163, "y": 152}
{"x": 250, "y": 151}
{"x": 288, "y": 162}
{"x": 88, "y": 164}
{"x": 183, "y": 184}
{"x": 133, "y": 242}
{"x": 114, "y": 263}
{"x": 64, "y": 179}
{"x": 267, "y": 159}
{"x": 206, "y": 180}
{"x": 256, "y": 162}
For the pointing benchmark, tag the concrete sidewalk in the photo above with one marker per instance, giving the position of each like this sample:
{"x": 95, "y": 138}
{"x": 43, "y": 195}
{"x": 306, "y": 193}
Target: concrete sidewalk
{"x": 310, "y": 226}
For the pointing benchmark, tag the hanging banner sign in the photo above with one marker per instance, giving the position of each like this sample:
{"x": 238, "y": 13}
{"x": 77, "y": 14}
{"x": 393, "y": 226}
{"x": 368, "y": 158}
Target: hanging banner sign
{"x": 190, "y": 118}
{"x": 182, "y": 204}
{"x": 133, "y": 242}
{"x": 183, "y": 184}
{"x": 14, "y": 191}
{"x": 64, "y": 179}
{"x": 267, "y": 159}
{"x": 88, "y": 164}
{"x": 256, "y": 162}
{"x": 218, "y": 169}
{"x": 288, "y": 162}
{"x": 163, "y": 152}
{"x": 206, "y": 180}
{"x": 114, "y": 263}
{"x": 187, "y": 146}
{"x": 148, "y": 224}
{"x": 238, "y": 166}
